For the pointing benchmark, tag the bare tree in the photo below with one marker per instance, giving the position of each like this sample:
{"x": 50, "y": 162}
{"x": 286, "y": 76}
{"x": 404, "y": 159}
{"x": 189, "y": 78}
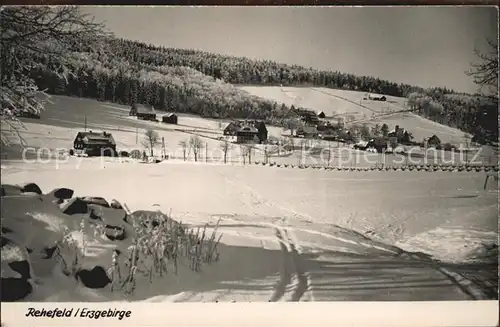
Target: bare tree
{"x": 226, "y": 147}
{"x": 250, "y": 148}
{"x": 292, "y": 144}
{"x": 196, "y": 144}
{"x": 28, "y": 34}
{"x": 151, "y": 139}
{"x": 292, "y": 125}
{"x": 485, "y": 71}
{"x": 244, "y": 150}
{"x": 184, "y": 145}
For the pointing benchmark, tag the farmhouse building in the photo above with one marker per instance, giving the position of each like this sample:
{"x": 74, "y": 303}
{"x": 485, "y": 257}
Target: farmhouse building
{"x": 401, "y": 135}
{"x": 378, "y": 143}
{"x": 310, "y": 118}
{"x": 142, "y": 111}
{"x": 232, "y": 128}
{"x": 321, "y": 114}
{"x": 307, "y": 131}
{"x": 433, "y": 141}
{"x": 170, "y": 119}
{"x": 247, "y": 134}
{"x": 95, "y": 144}
{"x": 252, "y": 131}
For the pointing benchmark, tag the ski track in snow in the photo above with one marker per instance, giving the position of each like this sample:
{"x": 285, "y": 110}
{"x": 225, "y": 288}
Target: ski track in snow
{"x": 290, "y": 246}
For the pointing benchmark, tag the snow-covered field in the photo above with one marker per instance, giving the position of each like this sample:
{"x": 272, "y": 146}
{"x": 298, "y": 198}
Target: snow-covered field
{"x": 287, "y": 234}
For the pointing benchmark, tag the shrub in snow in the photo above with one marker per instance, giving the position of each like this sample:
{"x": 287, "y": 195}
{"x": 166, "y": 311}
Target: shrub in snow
{"x": 135, "y": 154}
{"x": 69, "y": 254}
{"x": 158, "y": 242}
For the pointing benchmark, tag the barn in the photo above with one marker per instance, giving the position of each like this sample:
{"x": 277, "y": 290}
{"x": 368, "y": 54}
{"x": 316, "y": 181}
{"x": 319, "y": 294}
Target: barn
{"x": 142, "y": 111}
{"x": 170, "y": 119}
{"x": 95, "y": 144}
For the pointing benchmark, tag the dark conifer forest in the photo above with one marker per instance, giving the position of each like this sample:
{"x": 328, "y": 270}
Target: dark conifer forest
{"x": 189, "y": 81}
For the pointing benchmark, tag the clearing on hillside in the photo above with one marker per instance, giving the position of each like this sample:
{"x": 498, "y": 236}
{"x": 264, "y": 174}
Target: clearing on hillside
{"x": 341, "y": 103}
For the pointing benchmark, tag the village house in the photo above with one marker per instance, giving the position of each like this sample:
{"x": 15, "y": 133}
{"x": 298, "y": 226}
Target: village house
{"x": 307, "y": 132}
{"x": 433, "y": 141}
{"x": 309, "y": 118}
{"x": 252, "y": 131}
{"x": 321, "y": 115}
{"x": 142, "y": 111}
{"x": 232, "y": 128}
{"x": 95, "y": 144}
{"x": 401, "y": 135}
{"x": 247, "y": 134}
{"x": 170, "y": 119}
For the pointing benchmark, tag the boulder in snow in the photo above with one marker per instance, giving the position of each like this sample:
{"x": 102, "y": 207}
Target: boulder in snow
{"x": 95, "y": 214}
{"x": 15, "y": 285}
{"x": 31, "y": 187}
{"x": 115, "y": 204}
{"x": 14, "y": 289}
{"x": 74, "y": 206}
{"x": 115, "y": 233}
{"x": 62, "y": 193}
{"x": 21, "y": 267}
{"x": 95, "y": 278}
{"x": 96, "y": 200}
